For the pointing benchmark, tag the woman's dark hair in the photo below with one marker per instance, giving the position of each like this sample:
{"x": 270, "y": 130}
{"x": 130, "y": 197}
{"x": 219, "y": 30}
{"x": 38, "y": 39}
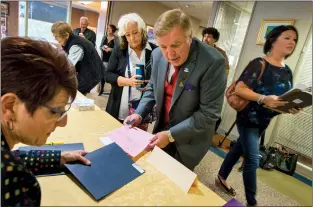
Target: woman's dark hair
{"x": 35, "y": 71}
{"x": 272, "y": 36}
{"x": 212, "y": 31}
{"x": 113, "y": 27}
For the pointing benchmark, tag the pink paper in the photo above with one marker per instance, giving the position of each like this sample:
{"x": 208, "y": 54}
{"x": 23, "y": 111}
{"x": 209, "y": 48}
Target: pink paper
{"x": 133, "y": 141}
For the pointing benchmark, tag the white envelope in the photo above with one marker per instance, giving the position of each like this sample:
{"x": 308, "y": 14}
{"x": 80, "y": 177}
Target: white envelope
{"x": 174, "y": 170}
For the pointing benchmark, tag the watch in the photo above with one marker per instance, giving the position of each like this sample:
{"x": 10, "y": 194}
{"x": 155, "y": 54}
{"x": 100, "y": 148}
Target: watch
{"x": 170, "y": 137}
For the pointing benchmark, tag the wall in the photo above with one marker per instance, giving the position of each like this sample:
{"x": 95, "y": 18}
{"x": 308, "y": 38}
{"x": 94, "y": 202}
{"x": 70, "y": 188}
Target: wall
{"x": 12, "y": 26}
{"x": 77, "y": 13}
{"x": 149, "y": 11}
{"x": 301, "y": 12}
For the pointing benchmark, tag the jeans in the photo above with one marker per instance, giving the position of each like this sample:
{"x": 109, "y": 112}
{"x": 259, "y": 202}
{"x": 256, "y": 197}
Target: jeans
{"x": 248, "y": 146}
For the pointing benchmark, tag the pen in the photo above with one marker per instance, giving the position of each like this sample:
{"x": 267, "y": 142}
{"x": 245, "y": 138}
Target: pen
{"x": 54, "y": 143}
{"x": 130, "y": 122}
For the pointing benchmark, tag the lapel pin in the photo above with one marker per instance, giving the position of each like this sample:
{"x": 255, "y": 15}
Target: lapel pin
{"x": 181, "y": 84}
{"x": 186, "y": 70}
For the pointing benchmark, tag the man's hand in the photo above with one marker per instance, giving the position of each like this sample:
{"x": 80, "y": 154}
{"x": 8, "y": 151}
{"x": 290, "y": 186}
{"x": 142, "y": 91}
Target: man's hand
{"x": 72, "y": 156}
{"x": 160, "y": 139}
{"x": 133, "y": 120}
{"x": 82, "y": 35}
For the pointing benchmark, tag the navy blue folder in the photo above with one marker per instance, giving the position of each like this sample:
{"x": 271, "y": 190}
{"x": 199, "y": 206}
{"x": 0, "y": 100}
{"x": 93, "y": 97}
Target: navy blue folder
{"x": 62, "y": 147}
{"x": 110, "y": 170}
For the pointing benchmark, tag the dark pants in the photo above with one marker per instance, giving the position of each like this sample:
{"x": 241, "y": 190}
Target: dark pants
{"x": 248, "y": 146}
{"x": 102, "y": 83}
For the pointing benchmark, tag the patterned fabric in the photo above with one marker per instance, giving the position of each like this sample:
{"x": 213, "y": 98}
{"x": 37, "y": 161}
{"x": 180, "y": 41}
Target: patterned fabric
{"x": 168, "y": 93}
{"x": 19, "y": 186}
{"x": 275, "y": 81}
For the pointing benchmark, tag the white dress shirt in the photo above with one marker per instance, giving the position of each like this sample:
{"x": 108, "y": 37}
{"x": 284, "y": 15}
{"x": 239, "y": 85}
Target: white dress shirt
{"x": 134, "y": 94}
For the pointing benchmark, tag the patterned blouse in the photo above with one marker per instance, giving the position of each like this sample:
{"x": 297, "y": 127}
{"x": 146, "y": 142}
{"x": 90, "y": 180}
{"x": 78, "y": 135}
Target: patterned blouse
{"x": 274, "y": 81}
{"x": 19, "y": 187}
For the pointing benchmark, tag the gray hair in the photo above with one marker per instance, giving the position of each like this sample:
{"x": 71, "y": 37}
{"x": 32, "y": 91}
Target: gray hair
{"x": 84, "y": 18}
{"x": 122, "y": 23}
{"x": 169, "y": 19}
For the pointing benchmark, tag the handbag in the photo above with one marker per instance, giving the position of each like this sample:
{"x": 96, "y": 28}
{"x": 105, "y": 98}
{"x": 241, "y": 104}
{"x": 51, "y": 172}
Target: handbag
{"x": 236, "y": 102}
{"x": 268, "y": 158}
{"x": 286, "y": 162}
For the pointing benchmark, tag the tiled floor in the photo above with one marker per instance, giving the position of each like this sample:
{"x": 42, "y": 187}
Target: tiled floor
{"x": 274, "y": 188}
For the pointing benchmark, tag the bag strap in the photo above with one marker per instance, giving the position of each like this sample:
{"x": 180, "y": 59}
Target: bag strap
{"x": 262, "y": 69}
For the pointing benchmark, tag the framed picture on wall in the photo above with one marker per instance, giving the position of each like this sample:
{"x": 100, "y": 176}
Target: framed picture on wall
{"x": 150, "y": 35}
{"x": 268, "y": 25}
{"x": 4, "y": 9}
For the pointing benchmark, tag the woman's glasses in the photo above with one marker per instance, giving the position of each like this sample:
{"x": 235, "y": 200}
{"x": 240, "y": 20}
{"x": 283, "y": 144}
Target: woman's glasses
{"x": 61, "y": 113}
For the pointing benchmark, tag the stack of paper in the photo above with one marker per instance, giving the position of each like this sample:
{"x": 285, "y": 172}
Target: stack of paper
{"x": 83, "y": 104}
{"x": 133, "y": 141}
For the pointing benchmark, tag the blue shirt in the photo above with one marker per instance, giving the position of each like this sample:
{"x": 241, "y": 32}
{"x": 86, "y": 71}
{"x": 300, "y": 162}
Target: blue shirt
{"x": 274, "y": 81}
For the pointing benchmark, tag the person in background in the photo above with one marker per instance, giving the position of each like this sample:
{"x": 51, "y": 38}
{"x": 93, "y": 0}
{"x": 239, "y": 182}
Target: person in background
{"x": 84, "y": 32}
{"x": 38, "y": 85}
{"x": 82, "y": 54}
{"x": 107, "y": 44}
{"x": 133, "y": 49}
{"x": 254, "y": 119}
{"x": 210, "y": 36}
{"x": 4, "y": 32}
{"x": 187, "y": 83}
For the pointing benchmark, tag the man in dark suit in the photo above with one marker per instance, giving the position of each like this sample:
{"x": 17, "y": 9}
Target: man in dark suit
{"x": 187, "y": 83}
{"x": 84, "y": 32}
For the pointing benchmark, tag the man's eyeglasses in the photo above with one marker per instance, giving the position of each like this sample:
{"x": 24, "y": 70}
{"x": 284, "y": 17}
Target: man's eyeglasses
{"x": 61, "y": 113}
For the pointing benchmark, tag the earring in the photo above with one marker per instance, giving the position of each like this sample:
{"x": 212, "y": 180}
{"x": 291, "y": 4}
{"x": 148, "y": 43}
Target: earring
{"x": 269, "y": 53}
{"x": 10, "y": 125}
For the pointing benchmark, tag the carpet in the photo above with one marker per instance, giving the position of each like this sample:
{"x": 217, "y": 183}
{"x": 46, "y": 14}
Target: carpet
{"x": 266, "y": 196}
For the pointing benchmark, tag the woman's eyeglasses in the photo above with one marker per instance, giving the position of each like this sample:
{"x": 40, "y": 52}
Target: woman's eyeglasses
{"x": 61, "y": 113}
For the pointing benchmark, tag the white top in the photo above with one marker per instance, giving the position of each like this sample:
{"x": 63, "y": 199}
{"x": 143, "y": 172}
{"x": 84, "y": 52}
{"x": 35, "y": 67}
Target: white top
{"x": 171, "y": 72}
{"x": 75, "y": 54}
{"x": 134, "y": 94}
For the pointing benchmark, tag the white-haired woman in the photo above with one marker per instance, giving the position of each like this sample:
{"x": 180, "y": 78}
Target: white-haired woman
{"x": 134, "y": 50}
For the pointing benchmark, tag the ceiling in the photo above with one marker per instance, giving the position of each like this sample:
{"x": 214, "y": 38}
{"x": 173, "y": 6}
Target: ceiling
{"x": 246, "y": 5}
{"x": 93, "y": 5}
{"x": 198, "y": 10}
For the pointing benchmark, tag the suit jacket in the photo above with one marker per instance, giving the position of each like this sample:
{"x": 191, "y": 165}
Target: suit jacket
{"x": 117, "y": 67}
{"x": 196, "y": 103}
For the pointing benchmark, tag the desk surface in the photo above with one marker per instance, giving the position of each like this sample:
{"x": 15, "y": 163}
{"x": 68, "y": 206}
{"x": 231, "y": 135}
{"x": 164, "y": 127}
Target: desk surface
{"x": 152, "y": 188}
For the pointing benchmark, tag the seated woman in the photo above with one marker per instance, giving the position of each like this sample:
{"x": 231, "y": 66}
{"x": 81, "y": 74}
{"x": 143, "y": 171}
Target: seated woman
{"x": 121, "y": 74}
{"x": 38, "y": 85}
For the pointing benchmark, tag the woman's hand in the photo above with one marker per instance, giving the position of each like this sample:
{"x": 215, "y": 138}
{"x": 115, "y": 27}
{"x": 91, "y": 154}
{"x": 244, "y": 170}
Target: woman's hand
{"x": 143, "y": 89}
{"x": 133, "y": 82}
{"x": 273, "y": 101}
{"x": 295, "y": 111}
{"x": 108, "y": 49}
{"x": 72, "y": 156}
